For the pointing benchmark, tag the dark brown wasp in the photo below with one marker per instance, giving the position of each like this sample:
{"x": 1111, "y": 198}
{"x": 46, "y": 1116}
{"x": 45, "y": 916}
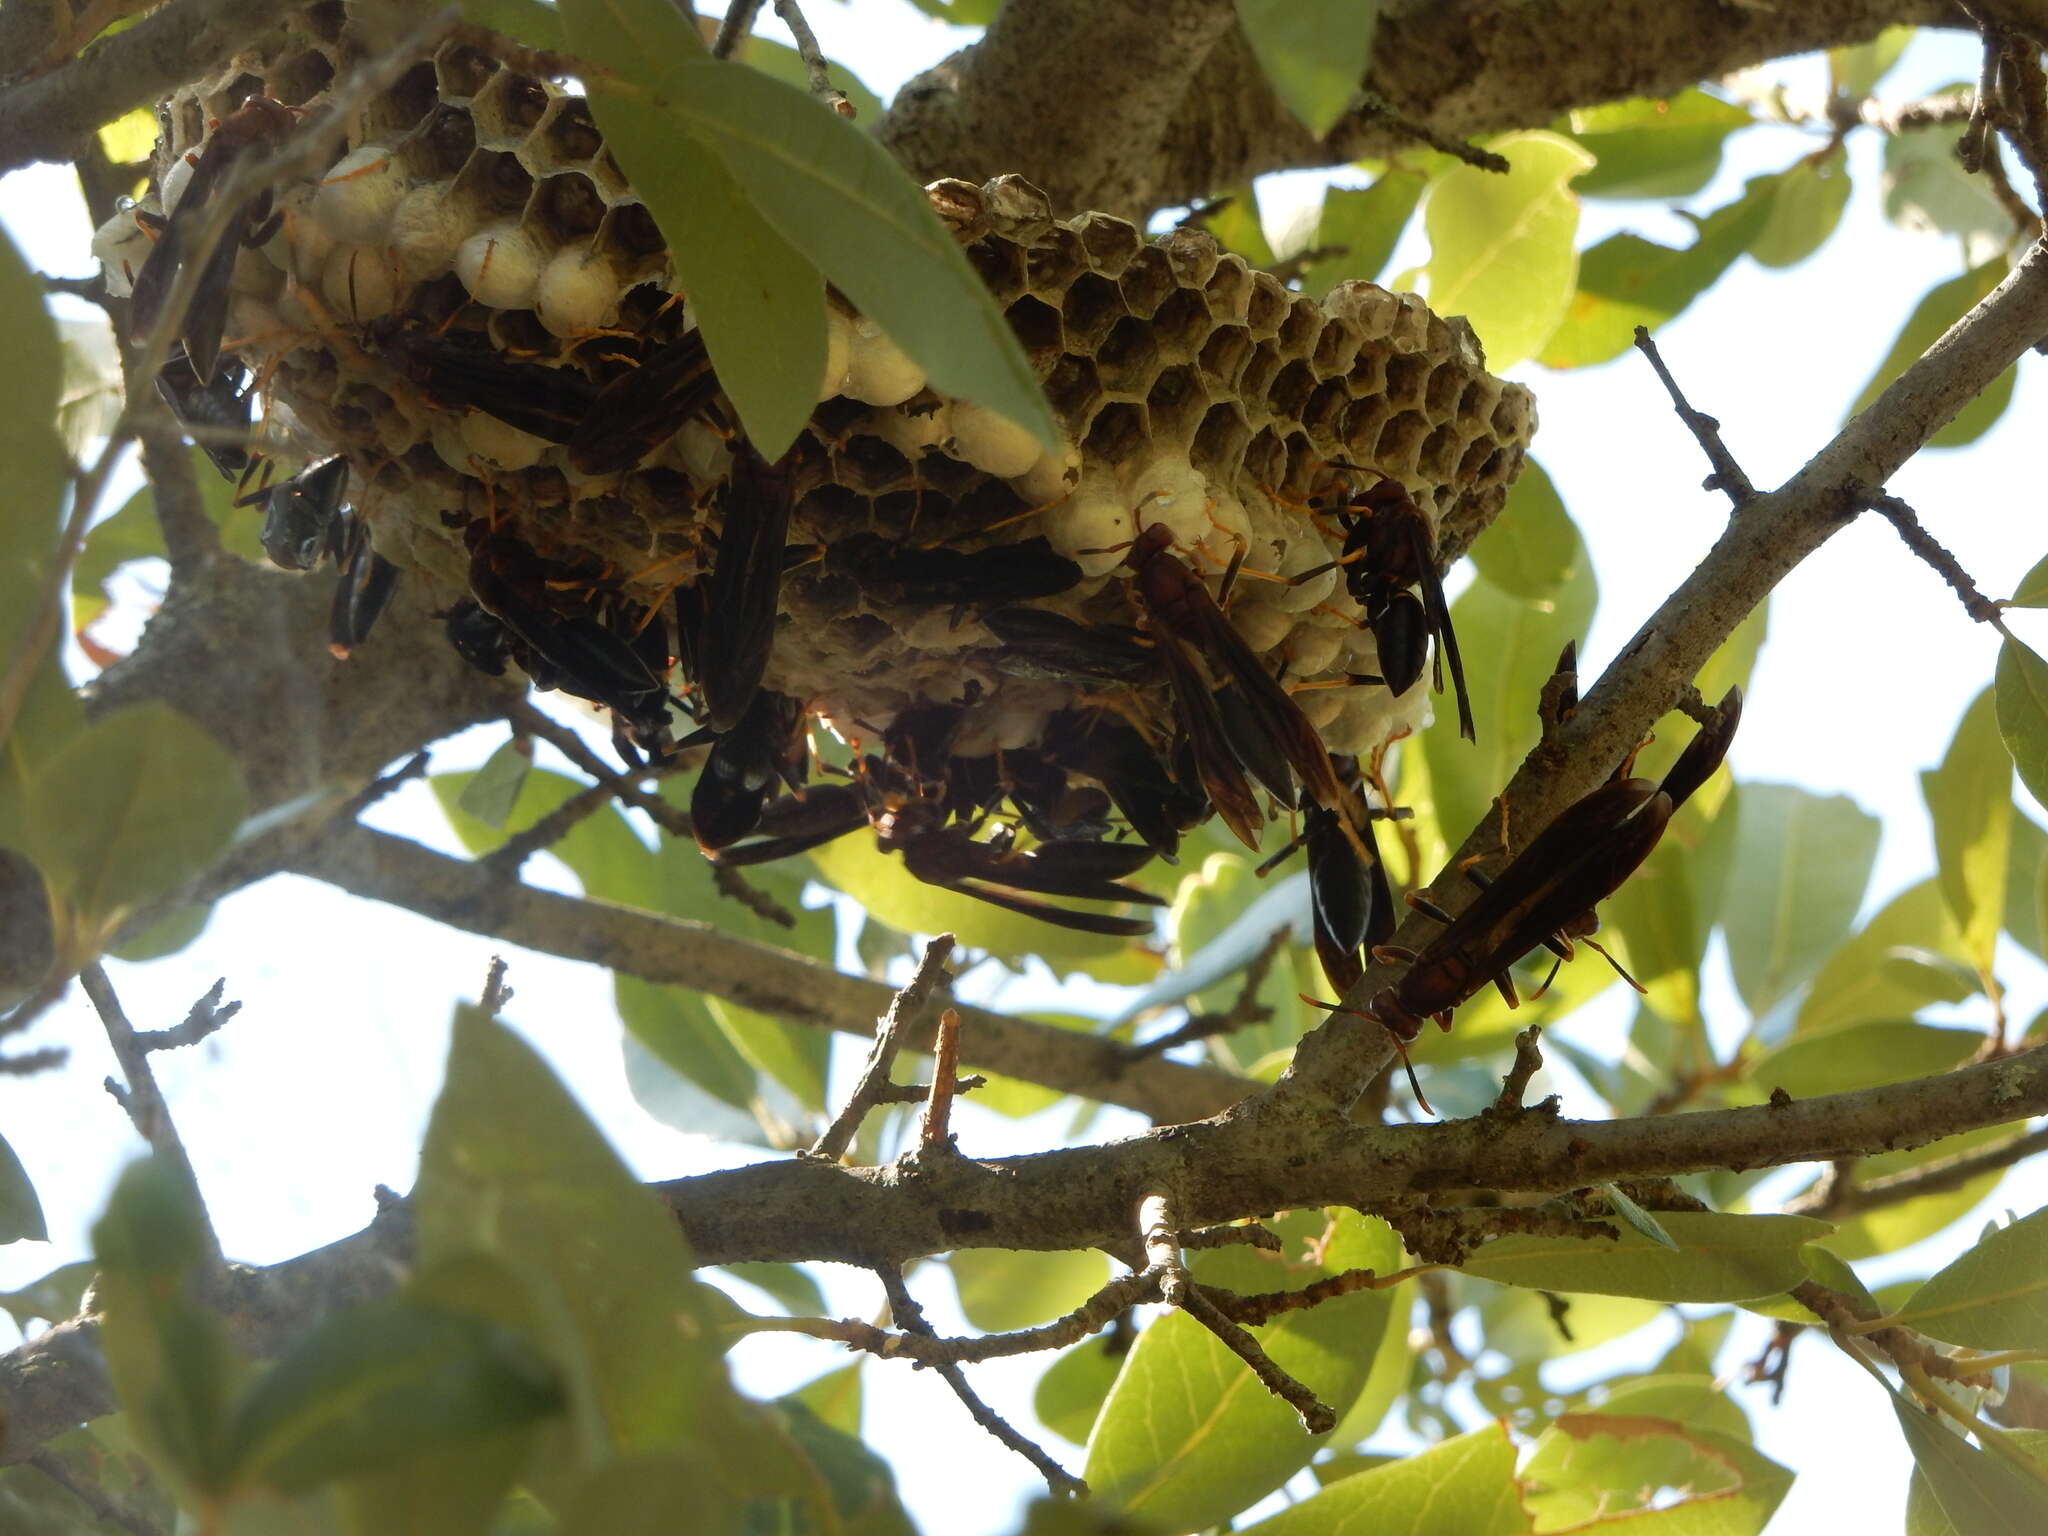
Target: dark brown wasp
{"x": 642, "y": 409}
{"x": 366, "y": 584}
{"x": 463, "y": 370}
{"x": 1038, "y": 643}
{"x": 993, "y": 871}
{"x": 1158, "y": 804}
{"x": 477, "y": 637}
{"x": 1547, "y": 894}
{"x": 766, "y": 748}
{"x": 789, "y": 825}
{"x": 899, "y": 574}
{"x": 1390, "y": 547}
{"x": 1351, "y": 906}
{"x": 257, "y": 123}
{"x": 217, "y": 411}
{"x": 1249, "y": 723}
{"x": 303, "y": 518}
{"x": 740, "y": 598}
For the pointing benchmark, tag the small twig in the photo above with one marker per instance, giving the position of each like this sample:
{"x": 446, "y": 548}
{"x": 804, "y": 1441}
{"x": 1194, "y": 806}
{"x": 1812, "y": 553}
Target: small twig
{"x": 1157, "y": 1229}
{"x": 414, "y": 767}
{"x": 525, "y": 717}
{"x": 1922, "y": 543}
{"x": 495, "y": 994}
{"x": 1242, "y": 1014}
{"x": 1835, "y": 1195}
{"x": 1728, "y": 475}
{"x": 141, "y": 1098}
{"x": 1249, "y": 1235}
{"x": 1845, "y": 1318}
{"x": 731, "y": 883}
{"x": 874, "y": 1075}
{"x": 919, "y": 1093}
{"x": 739, "y": 21}
{"x": 1264, "y": 1306}
{"x": 507, "y": 858}
{"x": 814, "y": 60}
{"x": 934, "y": 1136}
{"x": 910, "y": 1318}
{"x": 1373, "y": 106}
{"x": 1772, "y": 1362}
{"x": 1976, "y": 133}
{"x": 1104, "y": 1307}
{"x": 1528, "y": 1062}
{"x": 1288, "y": 268}
{"x": 104, "y": 1508}
{"x": 201, "y": 1020}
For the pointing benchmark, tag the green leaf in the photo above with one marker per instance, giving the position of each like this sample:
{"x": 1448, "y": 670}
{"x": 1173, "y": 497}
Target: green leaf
{"x": 1367, "y": 222}
{"x": 2023, "y": 906}
{"x": 1801, "y": 864}
{"x": 173, "y": 1369}
{"x": 1979, "y": 1493}
{"x": 1533, "y": 549}
{"x": 137, "y": 803}
{"x": 1806, "y": 207}
{"x": 1001, "y": 1290}
{"x": 1626, "y": 281}
{"x": 1233, "y": 218}
{"x": 2033, "y": 588}
{"x": 1663, "y": 924}
{"x": 1889, "y": 1228}
{"x": 602, "y": 851}
{"x": 791, "y": 1286}
{"x": 1511, "y": 648}
{"x": 1850, "y": 1057}
{"x": 1969, "y": 798}
{"x": 1501, "y": 247}
{"x": 176, "y": 930}
{"x": 1720, "y": 1258}
{"x": 783, "y": 63}
{"x": 1388, "y": 1378}
{"x": 1187, "y": 1436}
{"x": 21, "y": 1214}
{"x": 1313, "y": 52}
{"x": 674, "y": 1026}
{"x": 1626, "y": 1464}
{"x": 493, "y": 791}
{"x": 1530, "y": 1326}
{"x": 1994, "y": 1296}
{"x": 861, "y": 1484}
{"x": 1070, "y": 1393}
{"x": 512, "y": 1169}
{"x": 1909, "y": 955}
{"x": 1939, "y": 308}
{"x": 1466, "y": 1486}
{"x": 1637, "y": 1217}
{"x": 1927, "y": 191}
{"x": 834, "y": 1397}
{"x": 827, "y": 189}
{"x": 30, "y": 387}
{"x": 2022, "y": 688}
{"x": 132, "y": 533}
{"x": 1667, "y": 147}
{"x": 1854, "y": 72}
{"x": 1924, "y": 1516}
{"x": 381, "y": 1382}
{"x": 52, "y": 1298}
{"x": 532, "y": 22}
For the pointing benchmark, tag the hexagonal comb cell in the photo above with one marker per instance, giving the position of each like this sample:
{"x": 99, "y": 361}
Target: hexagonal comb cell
{"x": 528, "y": 277}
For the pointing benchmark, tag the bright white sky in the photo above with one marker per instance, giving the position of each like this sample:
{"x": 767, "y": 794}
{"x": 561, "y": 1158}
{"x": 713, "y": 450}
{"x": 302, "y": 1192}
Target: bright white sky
{"x": 320, "y": 1089}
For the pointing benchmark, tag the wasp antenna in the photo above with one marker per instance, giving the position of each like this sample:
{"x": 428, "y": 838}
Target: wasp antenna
{"x": 1619, "y": 969}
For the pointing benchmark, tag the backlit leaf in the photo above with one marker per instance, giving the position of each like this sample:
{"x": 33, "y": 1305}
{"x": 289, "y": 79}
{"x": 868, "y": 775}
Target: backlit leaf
{"x": 1855, "y": 71}
{"x": 1994, "y": 1296}
{"x": 1939, "y": 308}
{"x": 1979, "y": 1493}
{"x": 1002, "y": 1290}
{"x": 1800, "y": 868}
{"x": 1466, "y": 1485}
{"x": 1070, "y": 1393}
{"x": 1719, "y": 1258}
{"x": 21, "y": 1214}
{"x": 1908, "y": 955}
{"x": 1969, "y": 798}
{"x": 491, "y": 795}
{"x": 2022, "y": 688}
{"x": 1312, "y": 51}
{"x": 1533, "y": 549}
{"x": 1669, "y": 147}
{"x": 1806, "y": 208}
{"x": 1366, "y": 222}
{"x": 1650, "y": 1474}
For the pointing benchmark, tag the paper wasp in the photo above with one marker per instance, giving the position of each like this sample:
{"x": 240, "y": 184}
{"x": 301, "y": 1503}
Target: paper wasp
{"x": 741, "y": 596}
{"x": 366, "y": 584}
{"x": 463, "y": 370}
{"x": 1389, "y": 547}
{"x": 888, "y": 572}
{"x": 303, "y": 518}
{"x": 1157, "y": 804}
{"x": 1351, "y": 906}
{"x": 1038, "y": 643}
{"x": 643, "y": 408}
{"x": 217, "y": 410}
{"x": 1547, "y": 894}
{"x": 738, "y": 779}
{"x": 258, "y": 123}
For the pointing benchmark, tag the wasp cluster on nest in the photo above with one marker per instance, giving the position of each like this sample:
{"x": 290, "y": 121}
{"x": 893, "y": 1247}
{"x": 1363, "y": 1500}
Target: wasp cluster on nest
{"x": 472, "y": 313}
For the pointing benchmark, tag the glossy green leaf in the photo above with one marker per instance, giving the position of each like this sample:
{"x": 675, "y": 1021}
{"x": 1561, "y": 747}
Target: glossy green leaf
{"x": 1855, "y": 71}
{"x": 1870, "y": 1054}
{"x": 1367, "y": 222}
{"x": 380, "y": 1382}
{"x": 1800, "y": 868}
{"x": 1979, "y": 1493}
{"x": 1924, "y": 1516}
{"x": 1626, "y": 281}
{"x": 1805, "y": 209}
{"x": 21, "y": 1214}
{"x": 1002, "y": 1290}
{"x": 1668, "y": 147}
{"x": 1939, "y": 308}
{"x": 513, "y": 1169}
{"x": 1719, "y": 1258}
{"x": 1994, "y": 1296}
{"x": 827, "y": 189}
{"x": 1070, "y": 1393}
{"x": 1187, "y": 1436}
{"x": 1908, "y": 955}
{"x": 2022, "y": 689}
{"x": 1511, "y": 647}
{"x": 1502, "y": 249}
{"x": 1927, "y": 191}
{"x": 1388, "y": 1378}
{"x": 491, "y": 795}
{"x": 137, "y": 803}
{"x": 173, "y": 1369}
{"x": 1466, "y": 1486}
{"x": 1969, "y": 798}
{"x": 1626, "y": 1464}
{"x": 1313, "y": 52}
{"x": 1533, "y": 549}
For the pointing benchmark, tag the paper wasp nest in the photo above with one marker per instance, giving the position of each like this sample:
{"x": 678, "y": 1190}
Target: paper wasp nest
{"x": 477, "y": 204}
